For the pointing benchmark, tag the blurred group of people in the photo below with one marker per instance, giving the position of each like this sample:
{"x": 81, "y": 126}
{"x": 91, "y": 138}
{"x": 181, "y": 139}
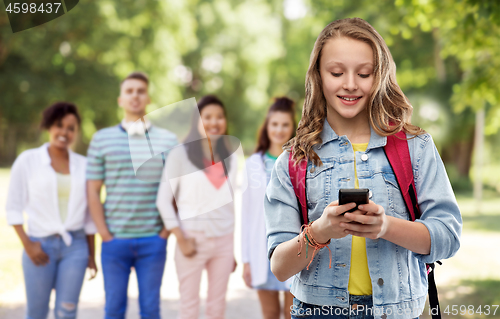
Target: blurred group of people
{"x": 60, "y": 191}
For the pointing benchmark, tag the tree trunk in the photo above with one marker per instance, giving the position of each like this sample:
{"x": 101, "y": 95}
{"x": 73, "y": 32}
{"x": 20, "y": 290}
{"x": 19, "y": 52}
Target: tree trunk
{"x": 478, "y": 159}
{"x": 463, "y": 156}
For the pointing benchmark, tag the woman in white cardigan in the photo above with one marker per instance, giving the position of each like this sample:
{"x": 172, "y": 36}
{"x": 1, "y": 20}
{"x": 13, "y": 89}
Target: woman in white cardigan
{"x": 277, "y": 129}
{"x": 48, "y": 184}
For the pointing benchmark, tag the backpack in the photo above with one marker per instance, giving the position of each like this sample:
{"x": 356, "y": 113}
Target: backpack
{"x": 398, "y": 154}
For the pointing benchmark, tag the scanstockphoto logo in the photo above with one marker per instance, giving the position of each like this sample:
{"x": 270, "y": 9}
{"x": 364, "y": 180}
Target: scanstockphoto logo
{"x": 25, "y": 15}
{"x": 201, "y": 169}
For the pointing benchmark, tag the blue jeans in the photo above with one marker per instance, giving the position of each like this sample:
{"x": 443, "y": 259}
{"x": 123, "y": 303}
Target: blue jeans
{"x": 147, "y": 255}
{"x": 64, "y": 272}
{"x": 360, "y": 307}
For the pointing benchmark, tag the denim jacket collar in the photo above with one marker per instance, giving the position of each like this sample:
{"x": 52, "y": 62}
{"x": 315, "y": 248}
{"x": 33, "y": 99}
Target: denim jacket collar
{"x": 328, "y": 135}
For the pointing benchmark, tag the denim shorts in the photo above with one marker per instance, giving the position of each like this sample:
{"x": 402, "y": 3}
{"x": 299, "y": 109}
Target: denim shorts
{"x": 272, "y": 283}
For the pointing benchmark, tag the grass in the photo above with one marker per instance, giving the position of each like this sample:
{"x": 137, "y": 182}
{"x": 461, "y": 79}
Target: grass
{"x": 472, "y": 276}
{"x": 471, "y": 299}
{"x": 11, "y": 275}
{"x": 486, "y": 220}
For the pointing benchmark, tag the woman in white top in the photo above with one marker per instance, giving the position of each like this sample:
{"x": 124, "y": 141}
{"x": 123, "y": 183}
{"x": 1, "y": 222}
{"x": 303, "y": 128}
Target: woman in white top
{"x": 48, "y": 184}
{"x": 277, "y": 129}
{"x": 202, "y": 173}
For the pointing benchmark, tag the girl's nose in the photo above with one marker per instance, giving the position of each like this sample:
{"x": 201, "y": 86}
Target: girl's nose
{"x": 350, "y": 83}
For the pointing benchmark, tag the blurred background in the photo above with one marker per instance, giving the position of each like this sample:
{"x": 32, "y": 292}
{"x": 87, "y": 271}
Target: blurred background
{"x": 448, "y": 60}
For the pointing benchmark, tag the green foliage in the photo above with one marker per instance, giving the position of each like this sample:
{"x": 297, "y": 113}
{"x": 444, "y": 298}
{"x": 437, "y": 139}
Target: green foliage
{"x": 467, "y": 30}
{"x": 245, "y": 52}
{"x": 461, "y": 184}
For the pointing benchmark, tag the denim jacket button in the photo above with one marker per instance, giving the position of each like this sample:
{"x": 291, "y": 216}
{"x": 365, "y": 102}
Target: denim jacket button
{"x": 364, "y": 157}
{"x": 312, "y": 169}
{"x": 380, "y": 281}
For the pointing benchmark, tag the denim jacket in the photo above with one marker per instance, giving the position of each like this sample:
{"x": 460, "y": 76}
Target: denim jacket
{"x": 398, "y": 275}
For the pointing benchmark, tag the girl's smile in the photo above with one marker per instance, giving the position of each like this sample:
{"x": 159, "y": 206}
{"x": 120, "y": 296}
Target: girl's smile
{"x": 349, "y": 99}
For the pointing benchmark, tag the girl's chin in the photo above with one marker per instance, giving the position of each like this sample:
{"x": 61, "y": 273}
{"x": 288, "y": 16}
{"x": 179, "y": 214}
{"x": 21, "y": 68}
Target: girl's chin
{"x": 278, "y": 142}
{"x": 214, "y": 137}
{"x": 349, "y": 113}
{"x": 349, "y": 116}
{"x": 60, "y": 145}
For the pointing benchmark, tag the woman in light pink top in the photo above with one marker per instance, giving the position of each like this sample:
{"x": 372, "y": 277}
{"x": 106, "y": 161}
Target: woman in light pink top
{"x": 201, "y": 174}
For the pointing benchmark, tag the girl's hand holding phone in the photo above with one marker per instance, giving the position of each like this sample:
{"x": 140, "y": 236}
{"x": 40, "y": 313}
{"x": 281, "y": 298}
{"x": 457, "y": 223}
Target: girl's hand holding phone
{"x": 329, "y": 225}
{"x": 368, "y": 221}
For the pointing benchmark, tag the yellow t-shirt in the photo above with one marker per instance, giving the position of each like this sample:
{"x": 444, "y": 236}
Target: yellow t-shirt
{"x": 359, "y": 276}
{"x": 63, "y": 190}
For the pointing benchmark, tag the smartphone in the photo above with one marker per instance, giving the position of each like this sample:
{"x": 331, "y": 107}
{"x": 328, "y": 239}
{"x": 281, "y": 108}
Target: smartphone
{"x": 353, "y": 195}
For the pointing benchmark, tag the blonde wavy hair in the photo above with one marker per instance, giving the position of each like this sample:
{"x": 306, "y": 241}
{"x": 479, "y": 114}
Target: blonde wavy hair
{"x": 389, "y": 110}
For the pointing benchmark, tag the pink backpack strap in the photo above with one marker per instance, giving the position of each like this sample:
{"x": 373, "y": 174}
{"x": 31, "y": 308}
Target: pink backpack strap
{"x": 298, "y": 179}
{"x": 398, "y": 154}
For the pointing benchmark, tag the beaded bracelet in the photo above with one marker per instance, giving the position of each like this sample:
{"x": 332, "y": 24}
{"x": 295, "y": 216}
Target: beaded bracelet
{"x": 308, "y": 238}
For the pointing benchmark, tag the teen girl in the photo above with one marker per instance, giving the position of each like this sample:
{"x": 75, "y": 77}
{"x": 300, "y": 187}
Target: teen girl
{"x": 378, "y": 256}
{"x": 205, "y": 239}
{"x": 277, "y": 129}
{"x": 48, "y": 184}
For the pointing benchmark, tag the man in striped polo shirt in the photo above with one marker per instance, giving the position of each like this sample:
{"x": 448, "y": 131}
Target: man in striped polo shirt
{"x": 129, "y": 222}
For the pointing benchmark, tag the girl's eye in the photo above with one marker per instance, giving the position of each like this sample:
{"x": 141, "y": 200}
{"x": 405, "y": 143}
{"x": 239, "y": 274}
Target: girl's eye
{"x": 364, "y": 76}
{"x": 336, "y": 74}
